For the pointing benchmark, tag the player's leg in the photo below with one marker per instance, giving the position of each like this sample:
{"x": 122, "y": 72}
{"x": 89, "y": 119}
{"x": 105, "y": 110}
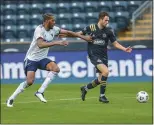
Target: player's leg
{"x": 103, "y": 75}
{"x": 53, "y": 69}
{"x": 93, "y": 83}
{"x": 87, "y": 87}
{"x": 30, "y": 70}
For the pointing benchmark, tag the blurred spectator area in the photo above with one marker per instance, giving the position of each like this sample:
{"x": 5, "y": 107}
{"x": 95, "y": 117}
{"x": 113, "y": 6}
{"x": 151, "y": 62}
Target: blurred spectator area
{"x": 19, "y": 18}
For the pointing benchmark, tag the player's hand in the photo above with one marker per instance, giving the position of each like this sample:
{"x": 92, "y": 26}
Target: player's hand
{"x": 88, "y": 38}
{"x": 64, "y": 43}
{"x": 128, "y": 49}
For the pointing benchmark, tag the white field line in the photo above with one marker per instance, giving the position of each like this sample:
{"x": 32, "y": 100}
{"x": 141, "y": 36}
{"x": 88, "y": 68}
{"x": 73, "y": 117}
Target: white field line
{"x": 65, "y": 99}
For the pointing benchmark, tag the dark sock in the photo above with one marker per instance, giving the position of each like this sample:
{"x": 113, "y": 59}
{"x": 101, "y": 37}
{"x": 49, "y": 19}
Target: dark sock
{"x": 103, "y": 85}
{"x": 93, "y": 84}
{"x": 102, "y": 89}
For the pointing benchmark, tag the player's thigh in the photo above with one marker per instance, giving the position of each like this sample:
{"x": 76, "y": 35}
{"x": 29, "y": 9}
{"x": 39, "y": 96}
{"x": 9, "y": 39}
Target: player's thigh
{"x": 49, "y": 65}
{"x": 30, "y": 68}
{"x": 30, "y": 77}
{"x": 52, "y": 66}
{"x": 100, "y": 64}
{"x": 103, "y": 69}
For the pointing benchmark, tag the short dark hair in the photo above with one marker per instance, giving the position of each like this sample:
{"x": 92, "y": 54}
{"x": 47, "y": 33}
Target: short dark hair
{"x": 47, "y": 16}
{"x": 102, "y": 15}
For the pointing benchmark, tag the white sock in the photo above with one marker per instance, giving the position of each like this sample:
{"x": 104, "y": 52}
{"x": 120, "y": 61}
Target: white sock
{"x": 51, "y": 75}
{"x": 102, "y": 95}
{"x": 20, "y": 89}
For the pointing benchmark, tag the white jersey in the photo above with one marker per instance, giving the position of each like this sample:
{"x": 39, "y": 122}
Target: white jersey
{"x": 34, "y": 53}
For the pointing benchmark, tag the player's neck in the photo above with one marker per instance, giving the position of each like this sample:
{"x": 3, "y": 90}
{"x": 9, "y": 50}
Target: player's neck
{"x": 46, "y": 27}
{"x": 100, "y": 26}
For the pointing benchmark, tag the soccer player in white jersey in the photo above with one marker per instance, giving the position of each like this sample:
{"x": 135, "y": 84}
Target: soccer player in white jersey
{"x": 36, "y": 57}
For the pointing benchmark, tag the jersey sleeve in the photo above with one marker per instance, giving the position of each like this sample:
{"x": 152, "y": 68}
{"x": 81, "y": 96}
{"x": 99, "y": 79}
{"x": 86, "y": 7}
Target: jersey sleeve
{"x": 86, "y": 30}
{"x": 112, "y": 36}
{"x": 56, "y": 30}
{"x": 38, "y": 33}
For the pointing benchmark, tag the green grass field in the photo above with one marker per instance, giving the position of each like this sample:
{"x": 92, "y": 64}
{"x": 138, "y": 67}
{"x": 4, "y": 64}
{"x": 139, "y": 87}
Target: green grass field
{"x": 65, "y": 106}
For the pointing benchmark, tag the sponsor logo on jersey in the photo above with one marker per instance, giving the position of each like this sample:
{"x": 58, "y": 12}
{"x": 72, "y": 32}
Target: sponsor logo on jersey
{"x": 99, "y": 42}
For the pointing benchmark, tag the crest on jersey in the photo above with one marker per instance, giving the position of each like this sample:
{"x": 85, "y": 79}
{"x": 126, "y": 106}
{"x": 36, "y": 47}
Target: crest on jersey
{"x": 98, "y": 60}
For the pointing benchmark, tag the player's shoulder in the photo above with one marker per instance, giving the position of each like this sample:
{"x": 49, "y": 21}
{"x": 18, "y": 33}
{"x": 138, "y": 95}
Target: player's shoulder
{"x": 109, "y": 29}
{"x": 92, "y": 27}
{"x": 56, "y": 28}
{"x": 39, "y": 27}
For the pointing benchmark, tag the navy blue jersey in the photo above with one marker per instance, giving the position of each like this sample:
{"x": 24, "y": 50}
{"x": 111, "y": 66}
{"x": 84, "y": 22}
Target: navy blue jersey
{"x": 100, "y": 37}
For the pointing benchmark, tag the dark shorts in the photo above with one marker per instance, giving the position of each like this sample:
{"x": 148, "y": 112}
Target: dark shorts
{"x": 98, "y": 60}
{"x": 30, "y": 65}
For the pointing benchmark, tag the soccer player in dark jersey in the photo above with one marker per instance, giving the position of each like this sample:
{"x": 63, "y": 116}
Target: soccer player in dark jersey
{"x": 97, "y": 52}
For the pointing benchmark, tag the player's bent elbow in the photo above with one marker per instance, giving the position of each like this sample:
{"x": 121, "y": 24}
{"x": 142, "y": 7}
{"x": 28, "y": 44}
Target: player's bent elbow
{"x": 40, "y": 45}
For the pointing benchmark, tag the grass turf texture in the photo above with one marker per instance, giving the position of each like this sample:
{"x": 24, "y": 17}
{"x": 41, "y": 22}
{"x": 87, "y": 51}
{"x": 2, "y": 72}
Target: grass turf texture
{"x": 65, "y": 106}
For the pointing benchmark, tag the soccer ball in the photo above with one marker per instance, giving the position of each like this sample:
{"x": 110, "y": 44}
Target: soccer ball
{"x": 142, "y": 96}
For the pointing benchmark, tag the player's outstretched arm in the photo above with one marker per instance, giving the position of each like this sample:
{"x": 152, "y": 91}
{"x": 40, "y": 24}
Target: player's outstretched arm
{"x": 67, "y": 33}
{"x": 42, "y": 44}
{"x": 119, "y": 46}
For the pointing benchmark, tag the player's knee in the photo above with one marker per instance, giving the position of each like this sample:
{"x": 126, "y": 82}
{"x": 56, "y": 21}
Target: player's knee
{"x": 103, "y": 80}
{"x": 56, "y": 69}
{"x": 105, "y": 73}
{"x": 30, "y": 81}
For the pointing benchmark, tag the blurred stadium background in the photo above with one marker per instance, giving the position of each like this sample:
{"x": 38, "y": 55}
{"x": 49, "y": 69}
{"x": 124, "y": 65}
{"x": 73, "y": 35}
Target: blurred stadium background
{"x": 132, "y": 23}
{"x": 131, "y": 20}
{"x": 19, "y": 18}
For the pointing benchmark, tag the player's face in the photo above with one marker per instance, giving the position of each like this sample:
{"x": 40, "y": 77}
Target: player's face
{"x": 105, "y": 21}
{"x": 51, "y": 23}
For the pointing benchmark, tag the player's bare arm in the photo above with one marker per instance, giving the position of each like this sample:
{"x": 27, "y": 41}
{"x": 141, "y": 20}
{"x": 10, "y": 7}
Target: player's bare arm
{"x": 119, "y": 46}
{"x": 67, "y": 33}
{"x": 42, "y": 44}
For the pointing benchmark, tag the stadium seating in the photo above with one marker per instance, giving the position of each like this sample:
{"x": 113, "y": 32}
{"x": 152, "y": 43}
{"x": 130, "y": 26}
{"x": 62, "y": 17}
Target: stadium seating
{"x": 22, "y": 31}
{"x": 78, "y": 27}
{"x": 90, "y": 6}
{"x": 9, "y": 33}
{"x": 70, "y": 14}
{"x": 9, "y": 20}
{"x": 23, "y": 20}
{"x": 91, "y": 18}
{"x": 9, "y": 9}
{"x": 64, "y": 18}
{"x": 66, "y": 26}
{"x": 36, "y": 19}
{"x": 36, "y": 8}
{"x": 63, "y": 7}
{"x": 119, "y": 6}
{"x": 50, "y": 8}
{"x": 121, "y": 19}
{"x": 2, "y": 33}
{"x": 77, "y": 7}
{"x": 23, "y": 9}
{"x": 104, "y": 6}
{"x": 78, "y": 18}
{"x": 132, "y": 6}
